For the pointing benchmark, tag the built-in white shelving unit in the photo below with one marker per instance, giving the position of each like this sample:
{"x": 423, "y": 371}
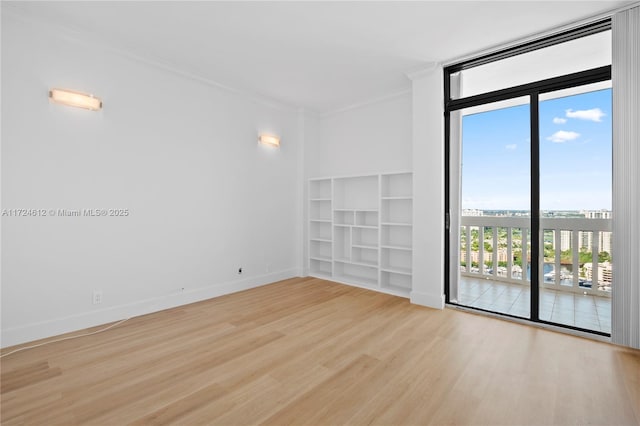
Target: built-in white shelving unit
{"x": 360, "y": 230}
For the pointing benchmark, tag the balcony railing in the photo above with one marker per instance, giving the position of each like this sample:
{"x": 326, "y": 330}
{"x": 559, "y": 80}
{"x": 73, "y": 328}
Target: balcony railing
{"x": 559, "y": 235}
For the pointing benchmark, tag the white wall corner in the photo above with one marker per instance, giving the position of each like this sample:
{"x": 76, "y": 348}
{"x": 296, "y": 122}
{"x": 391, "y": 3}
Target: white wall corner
{"x": 422, "y": 71}
{"x": 301, "y": 228}
{"x": 430, "y": 300}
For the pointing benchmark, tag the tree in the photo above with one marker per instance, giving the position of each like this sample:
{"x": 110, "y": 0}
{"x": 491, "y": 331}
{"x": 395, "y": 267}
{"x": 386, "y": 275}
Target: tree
{"x": 604, "y": 256}
{"x": 585, "y": 256}
{"x": 517, "y": 257}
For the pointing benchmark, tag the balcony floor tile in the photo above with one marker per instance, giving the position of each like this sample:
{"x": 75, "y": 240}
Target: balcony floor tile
{"x": 561, "y": 306}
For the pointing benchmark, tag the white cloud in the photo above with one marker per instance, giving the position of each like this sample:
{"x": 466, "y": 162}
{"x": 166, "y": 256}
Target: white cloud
{"x": 558, "y": 120}
{"x": 594, "y": 114}
{"x": 561, "y": 136}
{"x": 511, "y": 146}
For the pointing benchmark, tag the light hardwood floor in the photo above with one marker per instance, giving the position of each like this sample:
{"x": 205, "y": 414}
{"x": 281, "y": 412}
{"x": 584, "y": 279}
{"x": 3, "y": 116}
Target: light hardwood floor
{"x": 308, "y": 351}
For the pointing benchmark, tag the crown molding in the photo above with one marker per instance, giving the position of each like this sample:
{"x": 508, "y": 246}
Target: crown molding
{"x": 423, "y": 71}
{"x": 91, "y": 40}
{"x": 364, "y": 103}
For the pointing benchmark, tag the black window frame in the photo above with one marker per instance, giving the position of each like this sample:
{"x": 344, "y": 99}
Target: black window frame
{"x": 533, "y": 90}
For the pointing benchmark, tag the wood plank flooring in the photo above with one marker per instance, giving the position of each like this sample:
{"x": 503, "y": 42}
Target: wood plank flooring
{"x": 309, "y": 351}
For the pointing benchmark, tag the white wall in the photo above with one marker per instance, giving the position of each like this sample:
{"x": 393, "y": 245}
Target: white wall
{"x": 372, "y": 138}
{"x": 428, "y": 188}
{"x": 180, "y": 155}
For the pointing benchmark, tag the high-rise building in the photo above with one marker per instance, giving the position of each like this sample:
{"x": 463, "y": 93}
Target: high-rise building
{"x": 604, "y": 241}
{"x": 565, "y": 240}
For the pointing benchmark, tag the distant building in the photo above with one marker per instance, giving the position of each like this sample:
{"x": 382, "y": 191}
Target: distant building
{"x": 605, "y": 273}
{"x": 596, "y": 214}
{"x": 604, "y": 238}
{"x": 604, "y": 241}
{"x": 472, "y": 212}
{"x": 565, "y": 240}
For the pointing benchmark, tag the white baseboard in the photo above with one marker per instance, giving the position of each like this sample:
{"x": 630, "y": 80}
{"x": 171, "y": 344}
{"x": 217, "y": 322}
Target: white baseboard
{"x": 44, "y": 329}
{"x": 431, "y": 300}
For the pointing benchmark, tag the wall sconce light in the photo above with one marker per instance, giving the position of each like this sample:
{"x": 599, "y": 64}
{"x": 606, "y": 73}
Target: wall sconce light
{"x": 75, "y": 99}
{"x": 270, "y": 140}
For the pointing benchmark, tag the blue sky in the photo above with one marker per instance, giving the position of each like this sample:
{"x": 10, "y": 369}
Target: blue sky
{"x": 575, "y": 155}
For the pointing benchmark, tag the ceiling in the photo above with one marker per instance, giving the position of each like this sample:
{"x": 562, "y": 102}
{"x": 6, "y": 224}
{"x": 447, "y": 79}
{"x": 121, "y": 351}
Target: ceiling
{"x": 322, "y": 56}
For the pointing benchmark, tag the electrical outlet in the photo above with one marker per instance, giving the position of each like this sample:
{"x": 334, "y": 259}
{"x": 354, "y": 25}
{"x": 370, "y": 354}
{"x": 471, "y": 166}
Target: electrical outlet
{"x": 240, "y": 270}
{"x": 97, "y": 297}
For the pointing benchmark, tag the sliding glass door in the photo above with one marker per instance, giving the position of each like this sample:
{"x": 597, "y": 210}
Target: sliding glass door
{"x": 575, "y": 207}
{"x": 529, "y": 181}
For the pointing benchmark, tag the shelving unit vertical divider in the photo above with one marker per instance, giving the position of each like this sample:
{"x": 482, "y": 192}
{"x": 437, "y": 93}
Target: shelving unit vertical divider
{"x": 320, "y": 238}
{"x": 379, "y": 230}
{"x": 333, "y": 227}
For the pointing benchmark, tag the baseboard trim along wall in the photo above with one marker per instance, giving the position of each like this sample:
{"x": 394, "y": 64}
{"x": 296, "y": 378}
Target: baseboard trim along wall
{"x": 430, "y": 300}
{"x": 41, "y": 330}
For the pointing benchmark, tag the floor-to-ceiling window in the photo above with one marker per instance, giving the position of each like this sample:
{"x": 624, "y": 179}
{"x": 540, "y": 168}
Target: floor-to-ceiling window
{"x": 529, "y": 180}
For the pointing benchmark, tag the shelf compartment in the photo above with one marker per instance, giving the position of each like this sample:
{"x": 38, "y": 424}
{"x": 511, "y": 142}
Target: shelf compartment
{"x": 396, "y": 260}
{"x": 397, "y": 236}
{"x": 357, "y": 193}
{"x": 320, "y": 250}
{"x": 320, "y": 230}
{"x": 357, "y": 274}
{"x": 320, "y": 189}
{"x": 397, "y": 185}
{"x": 397, "y": 211}
{"x": 394, "y": 281}
{"x": 343, "y": 217}
{"x": 365, "y": 237}
{"x": 342, "y": 239}
{"x": 320, "y": 267}
{"x": 320, "y": 210}
{"x": 365, "y": 255}
{"x": 367, "y": 217}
